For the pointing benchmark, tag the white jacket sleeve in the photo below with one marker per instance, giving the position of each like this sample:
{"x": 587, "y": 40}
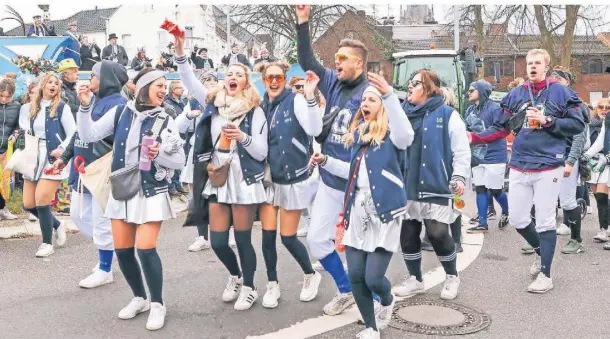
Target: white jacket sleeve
{"x": 69, "y": 125}
{"x": 256, "y": 144}
{"x": 91, "y": 131}
{"x": 336, "y": 167}
{"x": 401, "y": 131}
{"x": 459, "y": 146}
{"x": 598, "y": 145}
{"x": 308, "y": 115}
{"x": 191, "y": 83}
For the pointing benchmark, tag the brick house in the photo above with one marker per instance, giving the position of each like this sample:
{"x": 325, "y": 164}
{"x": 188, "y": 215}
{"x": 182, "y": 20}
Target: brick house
{"x": 506, "y": 54}
{"x": 359, "y": 26}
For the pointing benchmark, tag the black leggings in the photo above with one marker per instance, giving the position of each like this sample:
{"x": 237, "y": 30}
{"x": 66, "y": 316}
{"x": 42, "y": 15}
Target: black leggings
{"x": 2, "y": 202}
{"x": 441, "y": 241}
{"x": 366, "y": 273}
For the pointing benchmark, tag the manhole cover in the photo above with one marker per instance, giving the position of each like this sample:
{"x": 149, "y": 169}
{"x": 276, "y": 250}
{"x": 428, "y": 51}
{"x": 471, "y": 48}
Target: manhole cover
{"x": 437, "y": 317}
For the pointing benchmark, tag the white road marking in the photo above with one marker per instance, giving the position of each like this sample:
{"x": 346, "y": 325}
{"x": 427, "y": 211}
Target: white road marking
{"x": 472, "y": 244}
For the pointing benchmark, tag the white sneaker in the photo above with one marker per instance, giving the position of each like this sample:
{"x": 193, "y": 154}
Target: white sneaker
{"x": 318, "y": 266}
{"x": 536, "y": 267}
{"x": 32, "y": 217}
{"x": 44, "y": 250}
{"x": 563, "y": 230}
{"x": 272, "y": 295}
{"x": 136, "y": 306}
{"x": 369, "y": 333}
{"x": 199, "y": 245}
{"x": 410, "y": 287}
{"x": 589, "y": 209}
{"x": 96, "y": 279}
{"x": 311, "y": 282}
{"x": 602, "y": 236}
{"x": 542, "y": 284}
{"x": 247, "y": 298}
{"x": 383, "y": 315}
{"x": 232, "y": 242}
{"x": 231, "y": 291}
{"x": 97, "y": 267}
{"x": 376, "y": 307}
{"x": 303, "y": 227}
{"x": 450, "y": 290}
{"x": 156, "y": 317}
{"x": 61, "y": 236}
{"x": 339, "y": 303}
{"x": 5, "y": 214}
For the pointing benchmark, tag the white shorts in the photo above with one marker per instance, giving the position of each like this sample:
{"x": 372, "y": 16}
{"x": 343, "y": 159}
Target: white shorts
{"x": 489, "y": 175}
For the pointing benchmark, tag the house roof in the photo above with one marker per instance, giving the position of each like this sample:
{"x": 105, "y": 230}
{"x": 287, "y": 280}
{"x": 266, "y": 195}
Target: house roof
{"x": 502, "y": 45}
{"x": 369, "y": 21}
{"x": 89, "y": 21}
{"x": 236, "y": 30}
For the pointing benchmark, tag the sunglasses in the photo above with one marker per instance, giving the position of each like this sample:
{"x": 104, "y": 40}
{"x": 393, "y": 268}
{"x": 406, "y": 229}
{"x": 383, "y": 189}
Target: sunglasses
{"x": 278, "y": 77}
{"x": 604, "y": 107}
{"x": 298, "y": 86}
{"x": 340, "y": 57}
{"x": 415, "y": 83}
{"x": 471, "y": 90}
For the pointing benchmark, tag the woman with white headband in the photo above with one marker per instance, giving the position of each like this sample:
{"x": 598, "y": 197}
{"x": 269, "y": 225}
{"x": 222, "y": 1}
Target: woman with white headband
{"x": 139, "y": 201}
{"x": 375, "y": 198}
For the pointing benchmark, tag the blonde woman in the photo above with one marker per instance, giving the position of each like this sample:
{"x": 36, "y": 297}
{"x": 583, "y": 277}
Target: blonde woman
{"x": 450, "y": 98}
{"x": 232, "y": 132}
{"x": 596, "y": 156}
{"x": 375, "y": 198}
{"x": 52, "y": 121}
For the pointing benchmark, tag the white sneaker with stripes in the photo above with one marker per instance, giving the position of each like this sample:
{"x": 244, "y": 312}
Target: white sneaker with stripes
{"x": 410, "y": 287}
{"x": 247, "y": 298}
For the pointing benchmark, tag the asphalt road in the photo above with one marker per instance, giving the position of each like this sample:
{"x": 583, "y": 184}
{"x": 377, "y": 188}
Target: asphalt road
{"x": 42, "y": 297}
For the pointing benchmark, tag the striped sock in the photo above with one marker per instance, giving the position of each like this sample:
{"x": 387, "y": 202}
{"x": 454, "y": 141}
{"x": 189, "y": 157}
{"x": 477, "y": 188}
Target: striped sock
{"x": 413, "y": 262}
{"x": 449, "y": 263}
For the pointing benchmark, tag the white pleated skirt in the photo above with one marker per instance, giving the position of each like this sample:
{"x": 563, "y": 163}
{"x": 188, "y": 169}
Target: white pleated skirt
{"x": 43, "y": 163}
{"x": 423, "y": 210}
{"x": 235, "y": 190}
{"x": 186, "y": 176}
{"x": 291, "y": 197}
{"x": 140, "y": 209}
{"x": 366, "y": 231}
{"x": 600, "y": 177}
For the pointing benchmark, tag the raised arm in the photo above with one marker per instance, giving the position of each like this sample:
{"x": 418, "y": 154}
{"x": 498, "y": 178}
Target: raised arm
{"x": 187, "y": 76}
{"x": 306, "y": 107}
{"x": 401, "y": 131}
{"x": 305, "y": 53}
{"x": 91, "y": 131}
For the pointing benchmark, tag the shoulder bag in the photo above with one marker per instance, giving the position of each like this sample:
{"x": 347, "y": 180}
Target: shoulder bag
{"x": 25, "y": 161}
{"x": 218, "y": 174}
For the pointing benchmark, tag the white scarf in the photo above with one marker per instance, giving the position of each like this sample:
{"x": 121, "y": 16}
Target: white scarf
{"x": 230, "y": 108}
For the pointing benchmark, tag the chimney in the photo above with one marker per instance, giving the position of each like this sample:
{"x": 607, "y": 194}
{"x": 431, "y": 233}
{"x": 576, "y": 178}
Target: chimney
{"x": 361, "y": 14}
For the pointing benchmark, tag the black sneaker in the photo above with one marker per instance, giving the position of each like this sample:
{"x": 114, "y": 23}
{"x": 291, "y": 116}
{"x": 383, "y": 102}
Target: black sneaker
{"x": 474, "y": 220}
{"x": 458, "y": 248}
{"x": 182, "y": 190}
{"x": 503, "y": 222}
{"x": 491, "y": 215}
{"x": 477, "y": 229}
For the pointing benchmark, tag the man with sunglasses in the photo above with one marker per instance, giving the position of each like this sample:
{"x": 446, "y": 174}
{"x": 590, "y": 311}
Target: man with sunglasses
{"x": 342, "y": 87}
{"x": 542, "y": 114}
{"x": 489, "y": 174}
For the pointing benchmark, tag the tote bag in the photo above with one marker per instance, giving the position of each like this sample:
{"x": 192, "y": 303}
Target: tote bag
{"x": 96, "y": 178}
{"x": 25, "y": 161}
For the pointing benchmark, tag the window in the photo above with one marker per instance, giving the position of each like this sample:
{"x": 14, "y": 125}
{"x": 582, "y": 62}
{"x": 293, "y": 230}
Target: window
{"x": 162, "y": 38}
{"x": 373, "y": 67}
{"x": 594, "y": 96}
{"x": 126, "y": 40}
{"x": 493, "y": 66}
{"x": 596, "y": 66}
{"x": 188, "y": 31}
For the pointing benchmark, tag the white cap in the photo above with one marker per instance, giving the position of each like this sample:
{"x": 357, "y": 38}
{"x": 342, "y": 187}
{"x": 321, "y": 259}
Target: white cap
{"x": 374, "y": 91}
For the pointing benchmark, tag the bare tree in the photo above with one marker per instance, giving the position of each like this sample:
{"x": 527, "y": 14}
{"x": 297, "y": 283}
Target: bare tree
{"x": 15, "y": 16}
{"x": 280, "y": 20}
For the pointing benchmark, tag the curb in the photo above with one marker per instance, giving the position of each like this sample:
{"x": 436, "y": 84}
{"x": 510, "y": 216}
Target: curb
{"x": 23, "y": 228}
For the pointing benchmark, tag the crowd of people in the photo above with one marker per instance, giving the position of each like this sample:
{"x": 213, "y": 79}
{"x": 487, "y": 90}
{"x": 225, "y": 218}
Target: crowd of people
{"x": 337, "y": 148}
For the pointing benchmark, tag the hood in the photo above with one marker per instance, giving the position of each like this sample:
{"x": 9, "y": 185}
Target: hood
{"x": 539, "y": 86}
{"x": 484, "y": 89}
{"x": 113, "y": 76}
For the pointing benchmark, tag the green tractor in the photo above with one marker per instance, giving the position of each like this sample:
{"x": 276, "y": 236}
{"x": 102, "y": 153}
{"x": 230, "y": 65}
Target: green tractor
{"x": 456, "y": 70}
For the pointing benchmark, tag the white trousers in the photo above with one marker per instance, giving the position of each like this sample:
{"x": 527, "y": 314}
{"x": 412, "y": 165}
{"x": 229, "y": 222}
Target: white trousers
{"x": 567, "y": 190}
{"x": 327, "y": 206}
{"x": 540, "y": 189}
{"x": 93, "y": 223}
